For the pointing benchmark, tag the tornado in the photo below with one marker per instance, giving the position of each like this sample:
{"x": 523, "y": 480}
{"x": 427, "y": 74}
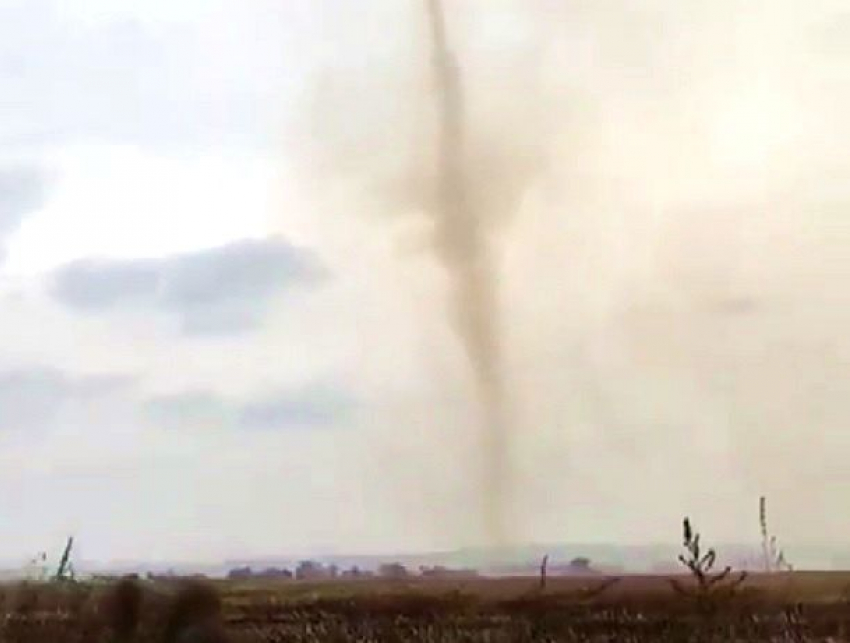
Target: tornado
{"x": 463, "y": 246}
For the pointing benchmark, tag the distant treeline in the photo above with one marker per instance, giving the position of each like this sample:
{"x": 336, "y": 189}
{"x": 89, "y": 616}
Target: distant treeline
{"x": 312, "y": 570}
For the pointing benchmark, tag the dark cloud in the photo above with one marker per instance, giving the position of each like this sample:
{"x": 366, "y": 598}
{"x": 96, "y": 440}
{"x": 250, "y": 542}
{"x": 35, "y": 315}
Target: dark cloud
{"x": 311, "y": 406}
{"x": 191, "y": 407}
{"x": 35, "y": 397}
{"x": 94, "y": 284}
{"x": 221, "y": 290}
{"x": 22, "y": 191}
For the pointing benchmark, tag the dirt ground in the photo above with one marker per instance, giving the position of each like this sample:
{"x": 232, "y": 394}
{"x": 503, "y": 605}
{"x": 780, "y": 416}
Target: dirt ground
{"x": 803, "y": 606}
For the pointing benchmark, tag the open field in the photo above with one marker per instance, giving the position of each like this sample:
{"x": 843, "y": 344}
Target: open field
{"x": 815, "y": 586}
{"x": 807, "y": 606}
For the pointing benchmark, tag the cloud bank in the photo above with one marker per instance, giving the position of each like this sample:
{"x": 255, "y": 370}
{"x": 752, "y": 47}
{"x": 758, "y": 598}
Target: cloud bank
{"x": 222, "y": 290}
{"x": 312, "y": 406}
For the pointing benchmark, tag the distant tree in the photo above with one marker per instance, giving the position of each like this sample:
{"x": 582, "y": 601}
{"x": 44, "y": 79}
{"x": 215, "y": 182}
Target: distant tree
{"x": 435, "y": 571}
{"x": 580, "y": 564}
{"x": 439, "y": 571}
{"x": 393, "y": 570}
{"x": 274, "y": 572}
{"x": 239, "y": 573}
{"x": 356, "y": 572}
{"x": 310, "y": 570}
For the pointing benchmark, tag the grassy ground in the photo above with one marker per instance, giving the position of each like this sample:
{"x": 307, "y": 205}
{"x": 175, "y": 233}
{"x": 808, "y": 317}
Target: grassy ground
{"x": 806, "y": 586}
{"x": 782, "y": 607}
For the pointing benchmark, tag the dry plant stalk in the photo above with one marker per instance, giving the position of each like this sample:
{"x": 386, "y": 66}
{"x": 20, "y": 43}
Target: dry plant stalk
{"x": 700, "y": 565}
{"x": 543, "y": 564}
{"x": 774, "y": 557}
{"x": 592, "y": 592}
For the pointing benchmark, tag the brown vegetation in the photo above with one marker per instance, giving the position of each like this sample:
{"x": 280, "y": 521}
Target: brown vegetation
{"x": 437, "y": 605}
{"x": 795, "y": 606}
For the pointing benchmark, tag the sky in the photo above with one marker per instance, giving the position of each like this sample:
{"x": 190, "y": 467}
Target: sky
{"x": 224, "y": 332}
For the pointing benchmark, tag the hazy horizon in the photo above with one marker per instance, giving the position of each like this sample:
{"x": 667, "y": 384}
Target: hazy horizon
{"x": 236, "y": 310}
{"x": 648, "y": 558}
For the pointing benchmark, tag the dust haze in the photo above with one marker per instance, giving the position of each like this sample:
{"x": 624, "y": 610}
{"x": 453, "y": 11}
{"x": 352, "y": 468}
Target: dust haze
{"x": 462, "y": 244}
{"x": 636, "y": 216}
{"x": 463, "y": 170}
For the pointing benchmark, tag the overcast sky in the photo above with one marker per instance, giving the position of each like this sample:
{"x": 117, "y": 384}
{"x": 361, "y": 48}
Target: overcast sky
{"x": 217, "y": 341}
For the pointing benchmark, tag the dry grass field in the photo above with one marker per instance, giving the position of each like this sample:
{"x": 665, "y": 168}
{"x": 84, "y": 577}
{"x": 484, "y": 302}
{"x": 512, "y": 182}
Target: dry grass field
{"x": 799, "y": 606}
